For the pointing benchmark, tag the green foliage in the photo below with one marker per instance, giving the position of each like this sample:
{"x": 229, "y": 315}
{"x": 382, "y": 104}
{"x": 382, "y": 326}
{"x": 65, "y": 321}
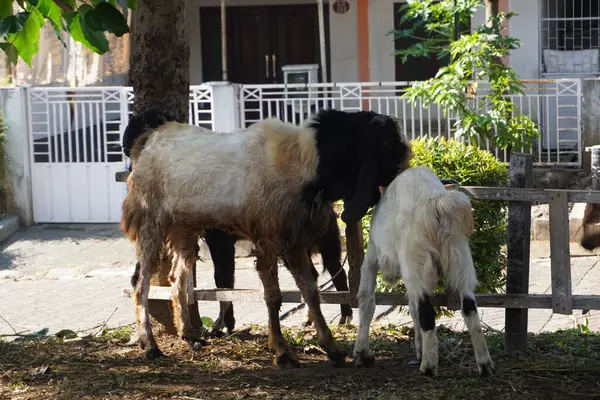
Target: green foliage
{"x": 489, "y": 114}
{"x": 470, "y": 166}
{"x": 87, "y": 23}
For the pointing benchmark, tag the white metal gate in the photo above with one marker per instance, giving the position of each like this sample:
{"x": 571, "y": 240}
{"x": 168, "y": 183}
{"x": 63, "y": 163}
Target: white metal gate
{"x": 76, "y": 150}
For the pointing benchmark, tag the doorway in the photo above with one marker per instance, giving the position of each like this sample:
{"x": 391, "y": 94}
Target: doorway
{"x": 260, "y": 40}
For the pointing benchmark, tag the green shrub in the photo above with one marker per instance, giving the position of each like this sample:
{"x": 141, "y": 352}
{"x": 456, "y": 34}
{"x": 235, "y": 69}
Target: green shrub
{"x": 470, "y": 166}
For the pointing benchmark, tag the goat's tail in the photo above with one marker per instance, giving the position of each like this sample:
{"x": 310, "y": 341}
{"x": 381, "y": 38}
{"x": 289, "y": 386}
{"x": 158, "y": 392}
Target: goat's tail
{"x": 449, "y": 222}
{"x": 590, "y": 242}
{"x": 139, "y": 128}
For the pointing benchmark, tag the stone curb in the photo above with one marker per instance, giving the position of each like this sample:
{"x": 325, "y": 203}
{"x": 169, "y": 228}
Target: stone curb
{"x": 9, "y": 225}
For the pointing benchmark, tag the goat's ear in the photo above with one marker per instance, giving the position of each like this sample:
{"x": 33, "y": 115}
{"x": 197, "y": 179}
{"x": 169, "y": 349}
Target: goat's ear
{"x": 380, "y": 120}
{"x": 362, "y": 199}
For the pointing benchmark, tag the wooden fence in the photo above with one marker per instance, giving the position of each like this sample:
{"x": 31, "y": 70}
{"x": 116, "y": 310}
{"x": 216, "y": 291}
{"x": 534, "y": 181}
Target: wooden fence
{"x": 516, "y": 300}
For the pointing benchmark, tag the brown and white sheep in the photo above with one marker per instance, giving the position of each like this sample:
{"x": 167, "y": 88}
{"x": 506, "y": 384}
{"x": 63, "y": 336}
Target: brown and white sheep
{"x": 272, "y": 183}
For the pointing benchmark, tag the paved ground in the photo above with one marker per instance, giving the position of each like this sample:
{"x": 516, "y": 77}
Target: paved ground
{"x": 72, "y": 277}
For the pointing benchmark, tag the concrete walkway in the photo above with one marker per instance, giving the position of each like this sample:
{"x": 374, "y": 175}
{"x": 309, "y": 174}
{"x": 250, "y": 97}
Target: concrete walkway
{"x": 72, "y": 278}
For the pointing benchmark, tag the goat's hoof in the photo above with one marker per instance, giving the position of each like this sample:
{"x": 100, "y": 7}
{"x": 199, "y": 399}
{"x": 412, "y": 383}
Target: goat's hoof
{"x": 486, "y": 368}
{"x": 153, "y": 353}
{"x": 194, "y": 342}
{"x": 345, "y": 320}
{"x": 306, "y": 323}
{"x": 216, "y": 333}
{"x": 286, "y": 359}
{"x": 337, "y": 358}
{"x": 363, "y": 358}
{"x": 429, "y": 370}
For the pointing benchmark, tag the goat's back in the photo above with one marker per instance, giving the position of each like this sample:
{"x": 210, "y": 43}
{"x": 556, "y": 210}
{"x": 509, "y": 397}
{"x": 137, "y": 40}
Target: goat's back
{"x": 421, "y": 224}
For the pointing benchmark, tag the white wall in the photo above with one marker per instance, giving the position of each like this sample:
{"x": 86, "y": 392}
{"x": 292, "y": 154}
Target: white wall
{"x": 343, "y": 43}
{"x": 525, "y": 26}
{"x": 343, "y": 38}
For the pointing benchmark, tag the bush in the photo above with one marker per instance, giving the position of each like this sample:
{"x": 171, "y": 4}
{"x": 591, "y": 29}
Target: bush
{"x": 470, "y": 166}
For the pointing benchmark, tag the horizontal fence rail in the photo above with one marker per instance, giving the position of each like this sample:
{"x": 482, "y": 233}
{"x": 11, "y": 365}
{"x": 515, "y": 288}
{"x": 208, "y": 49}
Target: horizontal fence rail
{"x": 555, "y": 104}
{"x": 561, "y": 301}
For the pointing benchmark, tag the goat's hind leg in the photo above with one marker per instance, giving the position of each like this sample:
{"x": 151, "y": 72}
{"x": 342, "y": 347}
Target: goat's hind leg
{"x": 426, "y": 341}
{"x": 330, "y": 248}
{"x": 222, "y": 250}
{"x": 363, "y": 357}
{"x": 148, "y": 253}
{"x": 184, "y": 259}
{"x": 298, "y": 262}
{"x": 266, "y": 265}
{"x": 485, "y": 365}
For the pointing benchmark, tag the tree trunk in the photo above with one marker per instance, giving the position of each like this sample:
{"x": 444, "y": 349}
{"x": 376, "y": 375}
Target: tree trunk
{"x": 160, "y": 77}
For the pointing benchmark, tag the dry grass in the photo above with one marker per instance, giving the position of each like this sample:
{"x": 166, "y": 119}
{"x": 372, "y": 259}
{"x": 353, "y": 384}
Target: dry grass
{"x": 558, "y": 366}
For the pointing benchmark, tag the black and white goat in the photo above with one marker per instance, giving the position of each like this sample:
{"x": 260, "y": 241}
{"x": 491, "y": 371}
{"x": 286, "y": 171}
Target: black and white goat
{"x": 419, "y": 231}
{"x": 272, "y": 183}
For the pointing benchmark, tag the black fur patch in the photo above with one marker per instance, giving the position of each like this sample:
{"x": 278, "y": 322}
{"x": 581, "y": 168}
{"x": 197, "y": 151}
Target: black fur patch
{"x": 358, "y": 152}
{"x": 426, "y": 314}
{"x": 469, "y": 305}
{"x": 136, "y": 275}
{"x": 589, "y": 243}
{"x": 140, "y": 124}
{"x": 449, "y": 181}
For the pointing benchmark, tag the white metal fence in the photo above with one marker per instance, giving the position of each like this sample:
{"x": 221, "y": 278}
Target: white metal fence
{"x": 76, "y": 149}
{"x": 554, "y": 104}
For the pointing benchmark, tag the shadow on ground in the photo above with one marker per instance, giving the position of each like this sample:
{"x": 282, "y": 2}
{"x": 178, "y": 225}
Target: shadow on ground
{"x": 558, "y": 366}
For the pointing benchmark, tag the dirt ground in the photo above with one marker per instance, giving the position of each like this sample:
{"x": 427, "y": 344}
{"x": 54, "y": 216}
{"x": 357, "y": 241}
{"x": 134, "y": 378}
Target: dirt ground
{"x": 558, "y": 366}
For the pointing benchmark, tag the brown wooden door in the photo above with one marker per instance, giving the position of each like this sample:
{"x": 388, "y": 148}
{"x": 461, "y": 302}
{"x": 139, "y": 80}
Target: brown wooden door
{"x": 295, "y": 33}
{"x": 260, "y": 40}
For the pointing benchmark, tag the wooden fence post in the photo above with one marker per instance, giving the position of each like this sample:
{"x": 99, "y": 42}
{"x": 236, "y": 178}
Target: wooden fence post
{"x": 560, "y": 257}
{"x": 356, "y": 253}
{"x": 519, "y": 236}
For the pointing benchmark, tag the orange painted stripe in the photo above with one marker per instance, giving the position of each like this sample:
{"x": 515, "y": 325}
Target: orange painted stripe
{"x": 362, "y": 30}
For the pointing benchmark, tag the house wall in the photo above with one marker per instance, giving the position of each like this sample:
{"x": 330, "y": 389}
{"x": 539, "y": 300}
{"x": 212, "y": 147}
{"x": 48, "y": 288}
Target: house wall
{"x": 344, "y": 48}
{"x": 525, "y": 26}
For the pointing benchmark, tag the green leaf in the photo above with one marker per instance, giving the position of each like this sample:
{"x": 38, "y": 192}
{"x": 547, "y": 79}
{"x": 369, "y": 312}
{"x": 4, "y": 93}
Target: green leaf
{"x": 27, "y": 40}
{"x": 113, "y": 20}
{"x": 13, "y": 23}
{"x": 6, "y": 8}
{"x": 50, "y": 10}
{"x": 11, "y": 52}
{"x": 207, "y": 322}
{"x": 80, "y": 32}
{"x": 91, "y": 18}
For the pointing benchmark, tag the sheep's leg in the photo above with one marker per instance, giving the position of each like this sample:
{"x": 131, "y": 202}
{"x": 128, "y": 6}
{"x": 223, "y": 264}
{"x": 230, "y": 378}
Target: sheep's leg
{"x": 299, "y": 266}
{"x": 266, "y": 264}
{"x": 184, "y": 261}
{"x": 330, "y": 248}
{"x": 413, "y": 309}
{"x": 366, "y": 309}
{"x": 148, "y": 250}
{"x": 308, "y": 317}
{"x": 426, "y": 316}
{"x": 222, "y": 251}
{"x": 485, "y": 365}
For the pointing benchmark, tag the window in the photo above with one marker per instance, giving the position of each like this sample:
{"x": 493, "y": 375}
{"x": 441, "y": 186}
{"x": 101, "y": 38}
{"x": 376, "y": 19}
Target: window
{"x": 569, "y": 37}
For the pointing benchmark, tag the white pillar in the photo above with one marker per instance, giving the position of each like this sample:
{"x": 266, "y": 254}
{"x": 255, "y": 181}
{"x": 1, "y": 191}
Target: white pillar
{"x": 225, "y": 106}
{"x": 17, "y": 152}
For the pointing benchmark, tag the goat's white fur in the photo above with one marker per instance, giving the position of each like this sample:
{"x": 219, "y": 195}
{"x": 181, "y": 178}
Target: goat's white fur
{"x": 419, "y": 231}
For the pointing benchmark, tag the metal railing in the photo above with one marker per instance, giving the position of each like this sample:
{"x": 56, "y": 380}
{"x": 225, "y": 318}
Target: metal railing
{"x": 555, "y": 104}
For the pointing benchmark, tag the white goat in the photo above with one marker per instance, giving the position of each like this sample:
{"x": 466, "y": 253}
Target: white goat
{"x": 419, "y": 231}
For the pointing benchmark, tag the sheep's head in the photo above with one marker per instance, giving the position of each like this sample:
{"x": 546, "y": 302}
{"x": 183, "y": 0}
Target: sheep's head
{"x": 139, "y": 127}
{"x": 359, "y": 152}
{"x": 384, "y": 152}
